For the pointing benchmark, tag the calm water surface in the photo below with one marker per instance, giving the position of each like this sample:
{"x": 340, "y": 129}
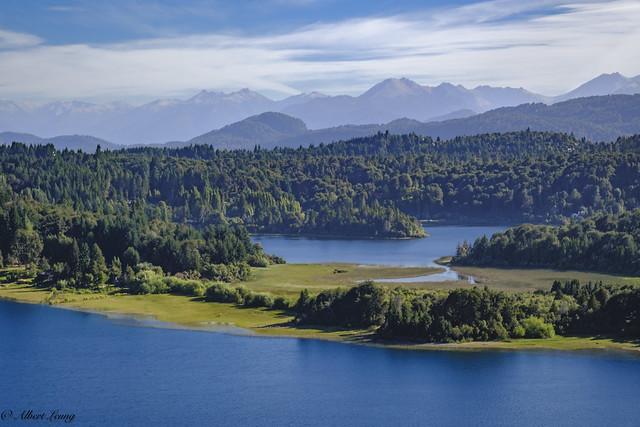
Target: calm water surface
{"x": 442, "y": 241}
{"x": 112, "y": 373}
{"x": 409, "y": 252}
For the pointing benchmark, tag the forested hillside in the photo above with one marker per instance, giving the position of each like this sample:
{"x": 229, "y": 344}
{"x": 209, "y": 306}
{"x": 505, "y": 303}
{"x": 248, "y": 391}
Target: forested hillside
{"x": 604, "y": 242}
{"x": 374, "y": 186}
{"x": 122, "y": 243}
{"x": 597, "y": 118}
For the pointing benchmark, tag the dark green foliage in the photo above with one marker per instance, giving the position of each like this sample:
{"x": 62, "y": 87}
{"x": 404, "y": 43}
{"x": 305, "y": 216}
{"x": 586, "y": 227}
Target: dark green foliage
{"x": 535, "y": 327}
{"x": 477, "y": 314}
{"x": 602, "y": 242}
{"x": 253, "y": 299}
{"x": 281, "y": 303}
{"x": 98, "y": 265}
{"x": 459, "y": 315}
{"x": 226, "y": 272}
{"x": 146, "y": 280}
{"x": 188, "y": 287}
{"x": 373, "y": 186}
{"x": 219, "y": 292}
{"x": 75, "y": 248}
{"x": 27, "y": 246}
{"x": 275, "y": 259}
{"x": 115, "y": 271}
{"x": 130, "y": 257}
{"x": 599, "y": 308}
{"x": 360, "y": 306}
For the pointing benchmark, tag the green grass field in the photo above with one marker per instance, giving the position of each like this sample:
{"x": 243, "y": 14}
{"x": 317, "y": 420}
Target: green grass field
{"x": 533, "y": 279}
{"x": 180, "y": 310}
{"x": 289, "y": 279}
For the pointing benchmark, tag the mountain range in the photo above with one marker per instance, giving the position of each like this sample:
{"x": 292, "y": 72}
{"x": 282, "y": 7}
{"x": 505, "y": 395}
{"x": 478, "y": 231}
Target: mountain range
{"x": 596, "y": 118}
{"x": 181, "y": 120}
{"x": 72, "y": 142}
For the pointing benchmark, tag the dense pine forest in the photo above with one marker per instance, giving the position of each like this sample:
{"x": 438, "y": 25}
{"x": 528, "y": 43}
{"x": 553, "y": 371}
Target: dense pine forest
{"x": 376, "y": 186}
{"x": 124, "y": 247}
{"x": 602, "y": 242}
{"x": 477, "y": 314}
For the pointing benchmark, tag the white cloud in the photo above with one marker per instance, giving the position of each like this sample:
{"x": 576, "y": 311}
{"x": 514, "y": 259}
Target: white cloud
{"x": 12, "y": 40}
{"x": 470, "y": 45}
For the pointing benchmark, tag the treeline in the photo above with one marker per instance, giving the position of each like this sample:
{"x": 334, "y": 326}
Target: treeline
{"x": 374, "y": 186}
{"x": 603, "y": 242}
{"x": 477, "y": 314}
{"x": 119, "y": 244}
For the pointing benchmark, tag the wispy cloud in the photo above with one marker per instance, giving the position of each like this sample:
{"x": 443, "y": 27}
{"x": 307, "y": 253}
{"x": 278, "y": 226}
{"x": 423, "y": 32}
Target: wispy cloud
{"x": 64, "y": 8}
{"x": 12, "y": 40}
{"x": 548, "y": 46}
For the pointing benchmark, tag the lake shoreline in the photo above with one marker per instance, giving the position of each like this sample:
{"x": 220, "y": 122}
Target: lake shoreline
{"x": 344, "y": 336}
{"x": 321, "y": 236}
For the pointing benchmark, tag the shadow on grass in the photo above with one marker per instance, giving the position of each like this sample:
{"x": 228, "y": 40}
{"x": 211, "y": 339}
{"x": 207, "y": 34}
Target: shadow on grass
{"x": 618, "y": 339}
{"x": 26, "y": 288}
{"x": 322, "y": 331}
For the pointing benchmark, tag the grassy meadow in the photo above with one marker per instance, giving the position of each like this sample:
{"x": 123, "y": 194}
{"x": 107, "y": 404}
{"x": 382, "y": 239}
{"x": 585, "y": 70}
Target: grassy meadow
{"x": 289, "y": 279}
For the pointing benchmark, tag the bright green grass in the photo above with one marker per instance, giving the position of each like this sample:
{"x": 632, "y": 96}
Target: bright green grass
{"x": 180, "y": 310}
{"x": 532, "y": 279}
{"x": 289, "y": 279}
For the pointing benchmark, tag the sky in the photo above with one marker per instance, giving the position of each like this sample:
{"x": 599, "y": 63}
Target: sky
{"x": 140, "y": 50}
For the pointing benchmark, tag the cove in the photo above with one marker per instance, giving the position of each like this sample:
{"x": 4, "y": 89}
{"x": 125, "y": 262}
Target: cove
{"x": 442, "y": 241}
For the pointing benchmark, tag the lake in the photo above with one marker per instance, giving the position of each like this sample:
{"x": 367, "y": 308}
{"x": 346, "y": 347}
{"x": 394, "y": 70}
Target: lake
{"x": 442, "y": 241}
{"x": 113, "y": 372}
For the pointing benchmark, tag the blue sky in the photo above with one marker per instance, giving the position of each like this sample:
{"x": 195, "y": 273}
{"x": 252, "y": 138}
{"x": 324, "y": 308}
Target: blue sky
{"x": 144, "y": 49}
{"x": 62, "y": 22}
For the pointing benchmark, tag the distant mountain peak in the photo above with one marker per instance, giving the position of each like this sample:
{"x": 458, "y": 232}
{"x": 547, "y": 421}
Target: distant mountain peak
{"x": 611, "y": 75}
{"x": 85, "y": 143}
{"x": 260, "y": 129}
{"x": 309, "y": 95}
{"x": 204, "y": 95}
{"x": 9, "y": 107}
{"x": 247, "y": 95}
{"x": 393, "y": 87}
{"x": 608, "y": 78}
{"x": 242, "y": 95}
{"x": 604, "y": 84}
{"x": 447, "y": 84}
{"x": 278, "y": 121}
{"x": 450, "y": 87}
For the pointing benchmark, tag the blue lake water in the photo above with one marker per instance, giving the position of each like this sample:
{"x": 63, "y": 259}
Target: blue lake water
{"x": 442, "y": 241}
{"x": 112, "y": 373}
